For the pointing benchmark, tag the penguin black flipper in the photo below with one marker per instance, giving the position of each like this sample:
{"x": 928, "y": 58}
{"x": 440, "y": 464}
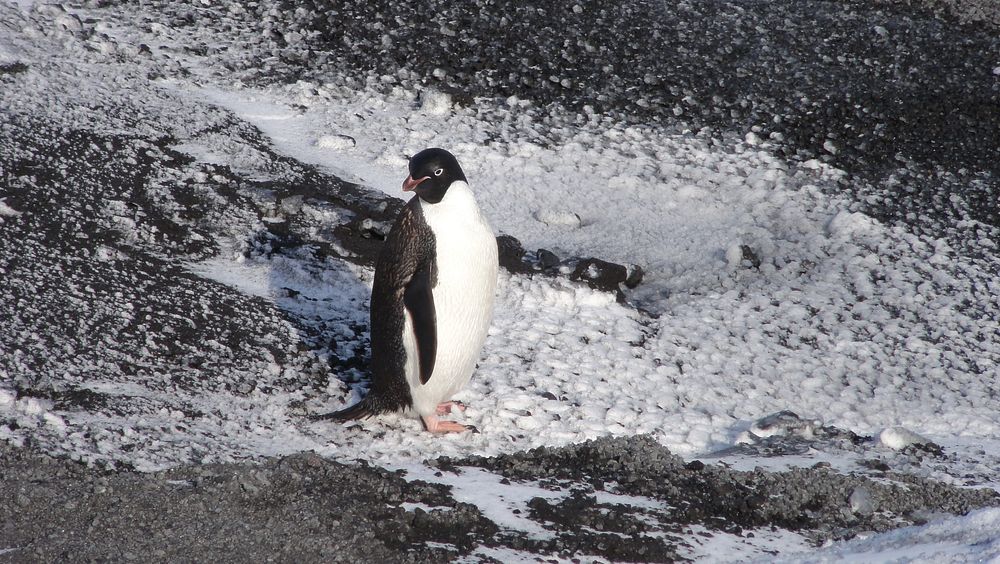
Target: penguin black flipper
{"x": 405, "y": 274}
{"x": 418, "y": 299}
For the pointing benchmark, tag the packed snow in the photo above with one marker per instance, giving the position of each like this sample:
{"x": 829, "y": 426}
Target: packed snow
{"x": 845, "y": 321}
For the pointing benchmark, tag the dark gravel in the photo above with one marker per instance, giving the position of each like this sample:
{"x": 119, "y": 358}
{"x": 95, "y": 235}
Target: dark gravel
{"x": 296, "y": 509}
{"x": 901, "y": 94}
{"x": 304, "y": 508}
{"x": 815, "y": 500}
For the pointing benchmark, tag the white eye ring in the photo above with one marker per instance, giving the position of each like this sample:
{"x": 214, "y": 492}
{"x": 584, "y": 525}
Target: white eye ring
{"x": 439, "y": 172}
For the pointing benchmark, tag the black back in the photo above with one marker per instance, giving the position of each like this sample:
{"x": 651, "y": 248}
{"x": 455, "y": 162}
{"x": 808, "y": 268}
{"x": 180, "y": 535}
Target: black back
{"x": 405, "y": 273}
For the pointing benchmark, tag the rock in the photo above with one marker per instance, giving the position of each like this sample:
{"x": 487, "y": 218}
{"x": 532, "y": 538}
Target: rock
{"x": 738, "y": 255}
{"x": 375, "y": 229}
{"x": 600, "y": 274}
{"x": 12, "y": 67}
{"x": 511, "y": 254}
{"x": 635, "y": 275}
{"x": 558, "y": 218}
{"x": 547, "y": 259}
{"x": 748, "y": 255}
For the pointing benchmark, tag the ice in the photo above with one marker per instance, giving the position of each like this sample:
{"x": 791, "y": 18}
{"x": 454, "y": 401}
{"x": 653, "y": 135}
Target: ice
{"x": 69, "y": 22}
{"x": 661, "y": 208}
{"x": 734, "y": 255}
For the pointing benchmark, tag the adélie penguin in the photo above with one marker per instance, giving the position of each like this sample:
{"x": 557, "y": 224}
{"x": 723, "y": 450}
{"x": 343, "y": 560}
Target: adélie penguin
{"x": 432, "y": 299}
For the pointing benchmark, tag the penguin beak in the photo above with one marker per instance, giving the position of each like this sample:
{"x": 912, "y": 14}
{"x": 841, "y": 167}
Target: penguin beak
{"x": 410, "y": 184}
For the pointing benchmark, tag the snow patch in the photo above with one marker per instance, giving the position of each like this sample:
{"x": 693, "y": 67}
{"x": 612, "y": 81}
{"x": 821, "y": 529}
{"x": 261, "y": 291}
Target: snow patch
{"x": 898, "y": 438}
{"x": 336, "y": 142}
{"x": 502, "y": 503}
{"x": 6, "y": 210}
{"x": 556, "y": 218}
{"x": 972, "y": 538}
{"x": 434, "y": 102}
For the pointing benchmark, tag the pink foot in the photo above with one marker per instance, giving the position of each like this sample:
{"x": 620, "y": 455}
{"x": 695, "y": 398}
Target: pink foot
{"x": 435, "y": 425}
{"x": 446, "y": 407}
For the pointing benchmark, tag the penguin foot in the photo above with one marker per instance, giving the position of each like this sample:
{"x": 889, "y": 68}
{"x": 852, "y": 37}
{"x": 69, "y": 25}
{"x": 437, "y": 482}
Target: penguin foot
{"x": 445, "y": 408}
{"x": 435, "y": 425}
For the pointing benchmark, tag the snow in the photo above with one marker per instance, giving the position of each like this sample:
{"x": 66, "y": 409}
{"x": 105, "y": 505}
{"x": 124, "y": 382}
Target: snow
{"x": 898, "y": 438}
{"x": 7, "y": 211}
{"x": 846, "y": 321}
{"x": 757, "y": 544}
{"x": 501, "y": 503}
{"x": 505, "y": 502}
{"x": 490, "y": 554}
{"x": 971, "y": 538}
{"x": 435, "y": 102}
{"x": 674, "y": 204}
{"x": 25, "y": 5}
{"x": 861, "y": 501}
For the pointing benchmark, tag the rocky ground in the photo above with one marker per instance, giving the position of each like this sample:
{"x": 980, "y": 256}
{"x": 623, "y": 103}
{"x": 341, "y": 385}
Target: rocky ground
{"x": 888, "y": 91}
{"x": 304, "y": 508}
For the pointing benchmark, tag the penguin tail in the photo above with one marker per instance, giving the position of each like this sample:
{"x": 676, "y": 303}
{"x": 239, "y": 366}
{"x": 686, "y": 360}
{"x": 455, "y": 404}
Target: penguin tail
{"x": 360, "y": 410}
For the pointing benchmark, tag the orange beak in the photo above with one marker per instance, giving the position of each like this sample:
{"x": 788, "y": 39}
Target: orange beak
{"x": 410, "y": 184}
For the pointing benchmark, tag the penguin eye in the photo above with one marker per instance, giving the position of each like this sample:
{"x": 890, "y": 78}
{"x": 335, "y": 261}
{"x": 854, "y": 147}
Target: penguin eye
{"x": 439, "y": 172}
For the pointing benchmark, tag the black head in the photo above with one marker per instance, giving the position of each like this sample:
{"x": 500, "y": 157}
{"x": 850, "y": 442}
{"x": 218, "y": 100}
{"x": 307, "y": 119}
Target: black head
{"x": 431, "y": 173}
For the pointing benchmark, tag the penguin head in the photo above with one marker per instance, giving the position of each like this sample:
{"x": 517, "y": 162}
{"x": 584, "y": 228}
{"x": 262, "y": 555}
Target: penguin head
{"x": 432, "y": 171}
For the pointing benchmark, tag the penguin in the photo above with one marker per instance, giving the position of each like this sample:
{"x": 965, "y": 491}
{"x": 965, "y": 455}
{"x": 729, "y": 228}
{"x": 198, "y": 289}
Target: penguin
{"x": 432, "y": 297}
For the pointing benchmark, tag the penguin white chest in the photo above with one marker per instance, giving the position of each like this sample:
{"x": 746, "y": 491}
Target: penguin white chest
{"x": 466, "y": 261}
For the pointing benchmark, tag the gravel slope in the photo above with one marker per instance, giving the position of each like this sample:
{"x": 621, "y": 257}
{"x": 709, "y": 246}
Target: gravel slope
{"x": 893, "y": 92}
